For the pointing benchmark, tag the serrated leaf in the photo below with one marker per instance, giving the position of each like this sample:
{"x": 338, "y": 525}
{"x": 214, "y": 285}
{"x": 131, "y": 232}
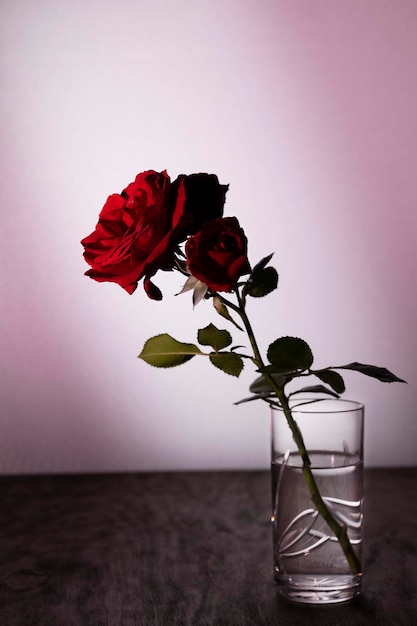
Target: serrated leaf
{"x": 334, "y": 379}
{"x": 223, "y": 311}
{"x": 165, "y": 351}
{"x": 228, "y": 362}
{"x": 262, "y": 282}
{"x": 212, "y": 336}
{"x": 315, "y": 389}
{"x": 288, "y": 354}
{"x": 381, "y": 373}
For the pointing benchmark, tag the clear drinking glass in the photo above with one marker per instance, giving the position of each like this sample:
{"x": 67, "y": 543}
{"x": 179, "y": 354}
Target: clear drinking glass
{"x": 310, "y": 566}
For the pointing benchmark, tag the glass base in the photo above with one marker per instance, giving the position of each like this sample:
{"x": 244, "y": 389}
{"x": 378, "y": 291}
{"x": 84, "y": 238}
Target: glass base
{"x": 310, "y": 589}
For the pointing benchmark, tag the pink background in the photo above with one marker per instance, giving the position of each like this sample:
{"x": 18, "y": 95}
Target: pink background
{"x": 307, "y": 108}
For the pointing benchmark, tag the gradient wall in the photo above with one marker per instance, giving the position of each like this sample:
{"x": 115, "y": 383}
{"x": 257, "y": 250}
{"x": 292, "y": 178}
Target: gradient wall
{"x": 308, "y": 110}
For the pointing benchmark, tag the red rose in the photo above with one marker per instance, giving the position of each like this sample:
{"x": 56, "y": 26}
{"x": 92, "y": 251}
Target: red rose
{"x": 139, "y": 230}
{"x": 132, "y": 239}
{"x": 217, "y": 255}
{"x": 198, "y": 198}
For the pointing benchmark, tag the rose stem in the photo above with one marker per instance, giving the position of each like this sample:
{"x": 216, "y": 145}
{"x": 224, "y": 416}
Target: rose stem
{"x": 339, "y": 531}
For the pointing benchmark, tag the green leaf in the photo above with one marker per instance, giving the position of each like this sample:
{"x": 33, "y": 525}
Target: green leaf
{"x": 381, "y": 373}
{"x": 314, "y": 389}
{"x": 261, "y": 282}
{"x": 262, "y": 279}
{"x": 288, "y": 354}
{"x": 263, "y": 263}
{"x": 261, "y": 386}
{"x": 223, "y": 311}
{"x": 269, "y": 398}
{"x": 165, "y": 351}
{"x": 333, "y": 379}
{"x": 212, "y": 336}
{"x": 228, "y": 362}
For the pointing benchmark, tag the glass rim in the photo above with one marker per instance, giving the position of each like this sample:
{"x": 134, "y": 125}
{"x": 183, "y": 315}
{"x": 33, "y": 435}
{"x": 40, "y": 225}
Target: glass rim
{"x": 352, "y": 405}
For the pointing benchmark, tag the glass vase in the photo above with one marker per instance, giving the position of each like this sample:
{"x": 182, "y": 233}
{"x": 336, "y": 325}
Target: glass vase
{"x": 309, "y": 563}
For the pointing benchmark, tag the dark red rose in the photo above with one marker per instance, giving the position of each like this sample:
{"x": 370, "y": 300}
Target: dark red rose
{"x": 132, "y": 239}
{"x": 139, "y": 230}
{"x": 197, "y": 199}
{"x": 217, "y": 255}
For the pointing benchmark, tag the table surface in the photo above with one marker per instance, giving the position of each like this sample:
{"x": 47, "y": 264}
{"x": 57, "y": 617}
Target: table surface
{"x": 186, "y": 548}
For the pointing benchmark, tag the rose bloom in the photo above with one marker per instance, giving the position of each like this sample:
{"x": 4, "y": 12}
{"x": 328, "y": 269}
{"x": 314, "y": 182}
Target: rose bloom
{"x": 138, "y": 230}
{"x": 217, "y": 255}
{"x": 199, "y": 198}
{"x": 131, "y": 239}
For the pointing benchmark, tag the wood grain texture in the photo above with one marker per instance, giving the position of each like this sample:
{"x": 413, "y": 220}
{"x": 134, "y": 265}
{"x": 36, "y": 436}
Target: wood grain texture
{"x": 192, "y": 548}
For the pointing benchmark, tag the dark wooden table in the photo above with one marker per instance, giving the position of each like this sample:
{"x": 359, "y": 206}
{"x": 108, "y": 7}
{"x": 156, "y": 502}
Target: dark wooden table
{"x": 184, "y": 548}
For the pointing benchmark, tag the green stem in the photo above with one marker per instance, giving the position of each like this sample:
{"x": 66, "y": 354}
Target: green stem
{"x": 339, "y": 531}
